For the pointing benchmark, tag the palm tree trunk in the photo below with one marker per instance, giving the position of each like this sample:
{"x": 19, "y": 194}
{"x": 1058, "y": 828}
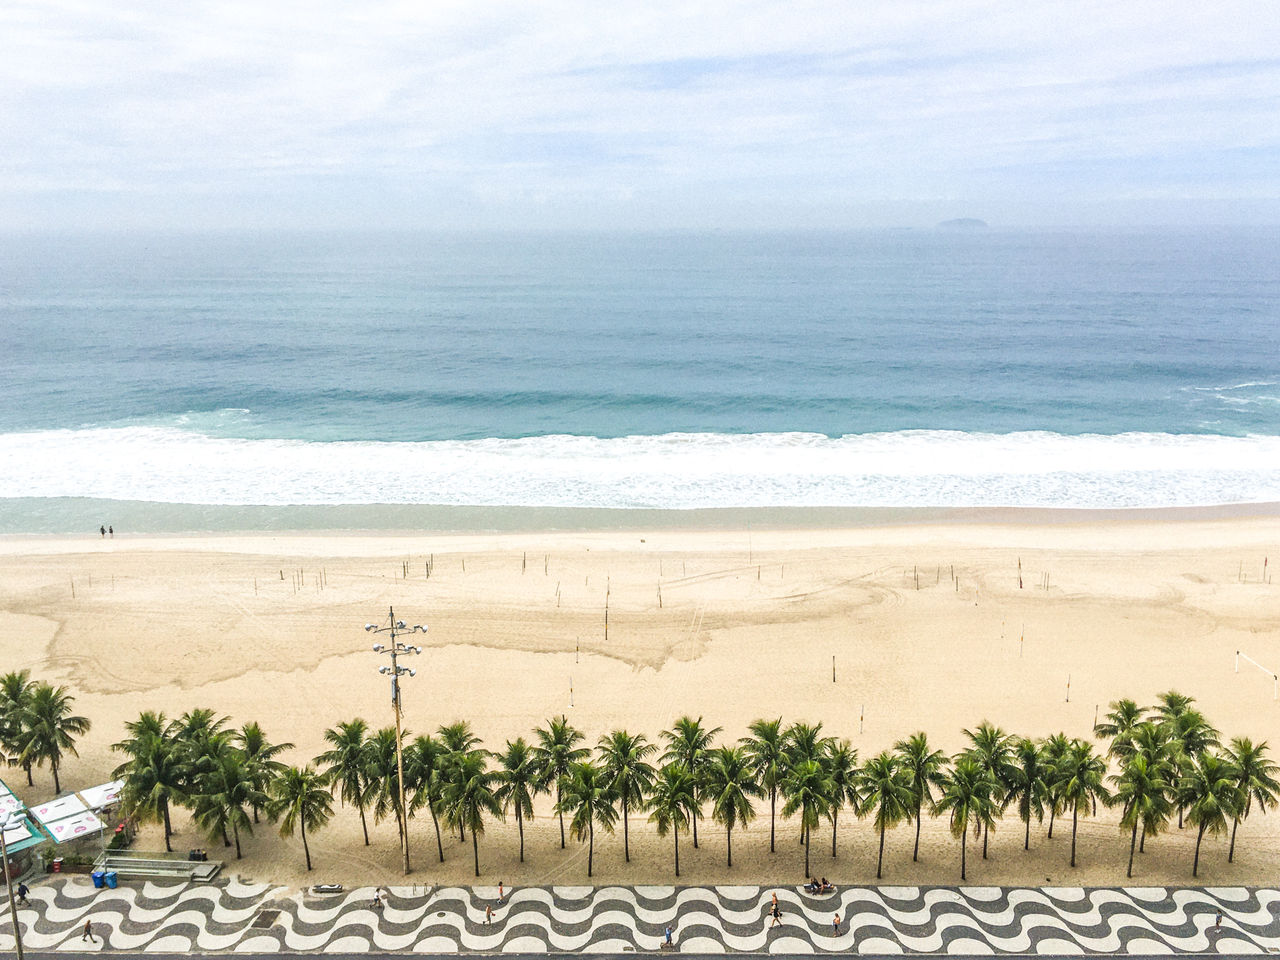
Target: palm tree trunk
{"x": 964, "y": 847}
{"x": 986, "y": 835}
{"x": 591, "y": 845}
{"x": 833, "y": 834}
{"x": 773, "y": 816}
{"x": 1142, "y": 840}
{"x": 1053, "y": 810}
{"x": 235, "y": 832}
{"x": 1132, "y": 841}
{"x": 915, "y": 854}
{"x": 475, "y": 850}
{"x": 168, "y": 827}
{"x": 363, "y": 823}
{"x": 626, "y": 837}
{"x": 806, "y": 853}
{"x": 880, "y": 859}
{"x": 561, "y": 817}
{"x": 1026, "y": 843}
{"x": 1075, "y": 814}
{"x": 305, "y": 849}
{"x": 57, "y": 787}
{"x": 436, "y": 820}
{"x": 520, "y": 827}
{"x": 27, "y": 767}
{"x": 729, "y": 843}
{"x": 1195, "y": 866}
{"x": 226, "y": 841}
{"x": 695, "y": 826}
{"x": 1231, "y": 852}
{"x": 676, "y": 833}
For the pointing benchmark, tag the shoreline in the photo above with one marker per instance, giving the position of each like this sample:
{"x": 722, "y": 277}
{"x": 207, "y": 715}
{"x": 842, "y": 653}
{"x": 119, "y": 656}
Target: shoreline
{"x": 56, "y": 518}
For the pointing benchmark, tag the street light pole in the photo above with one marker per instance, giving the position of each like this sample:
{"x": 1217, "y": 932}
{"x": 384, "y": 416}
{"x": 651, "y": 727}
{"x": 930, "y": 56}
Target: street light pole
{"x": 397, "y": 648}
{"x": 15, "y": 817}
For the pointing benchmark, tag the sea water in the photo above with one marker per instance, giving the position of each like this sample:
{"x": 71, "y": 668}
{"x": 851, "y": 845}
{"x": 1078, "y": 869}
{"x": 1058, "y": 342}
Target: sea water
{"x": 670, "y": 371}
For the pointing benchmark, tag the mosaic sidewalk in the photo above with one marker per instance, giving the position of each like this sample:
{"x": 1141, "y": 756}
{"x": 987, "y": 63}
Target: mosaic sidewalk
{"x": 231, "y": 916}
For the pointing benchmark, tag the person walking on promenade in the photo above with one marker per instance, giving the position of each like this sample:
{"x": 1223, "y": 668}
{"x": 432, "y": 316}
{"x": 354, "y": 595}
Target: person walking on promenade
{"x": 88, "y": 933}
{"x": 23, "y": 890}
{"x": 488, "y": 913}
{"x": 835, "y": 925}
{"x": 668, "y": 944}
{"x": 502, "y": 895}
{"x": 775, "y": 917}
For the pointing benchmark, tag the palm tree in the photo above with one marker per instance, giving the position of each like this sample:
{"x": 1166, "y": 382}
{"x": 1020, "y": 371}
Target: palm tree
{"x": 16, "y": 688}
{"x": 1122, "y": 718}
{"x": 154, "y": 773}
{"x": 458, "y": 739}
{"x": 424, "y": 765}
{"x": 1210, "y": 792}
{"x": 968, "y": 793}
{"x": 1194, "y": 736}
{"x": 1028, "y": 786}
{"x": 519, "y": 782}
{"x": 841, "y": 761}
{"x": 225, "y": 790}
{"x": 808, "y": 789}
{"x": 345, "y": 766}
{"x": 1172, "y": 704}
{"x": 630, "y": 774}
{"x": 730, "y": 785}
{"x": 1255, "y": 781}
{"x": 557, "y": 751}
{"x": 1080, "y": 779}
{"x": 886, "y": 791}
{"x": 260, "y": 757}
{"x": 767, "y": 751}
{"x": 670, "y": 802}
{"x": 1143, "y": 790}
{"x": 925, "y": 769}
{"x": 300, "y": 800}
{"x": 688, "y": 742}
{"x": 588, "y": 796}
{"x": 1163, "y": 758}
{"x": 804, "y": 741}
{"x": 992, "y": 749}
{"x": 49, "y": 728}
{"x": 1055, "y": 749}
{"x": 382, "y": 772}
{"x": 469, "y": 795}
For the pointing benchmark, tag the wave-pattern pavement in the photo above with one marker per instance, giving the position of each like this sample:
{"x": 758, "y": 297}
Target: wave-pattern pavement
{"x": 243, "y": 917}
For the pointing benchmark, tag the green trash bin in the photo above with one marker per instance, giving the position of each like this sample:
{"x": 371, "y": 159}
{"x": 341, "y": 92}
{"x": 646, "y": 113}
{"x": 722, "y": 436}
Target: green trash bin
{"x": 110, "y": 878}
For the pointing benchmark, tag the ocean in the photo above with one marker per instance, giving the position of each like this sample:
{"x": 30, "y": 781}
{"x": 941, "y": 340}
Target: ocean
{"x": 881, "y": 369}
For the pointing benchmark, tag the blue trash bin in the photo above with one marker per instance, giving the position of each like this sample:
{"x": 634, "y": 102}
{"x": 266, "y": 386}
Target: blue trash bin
{"x": 110, "y": 878}
{"x": 98, "y": 880}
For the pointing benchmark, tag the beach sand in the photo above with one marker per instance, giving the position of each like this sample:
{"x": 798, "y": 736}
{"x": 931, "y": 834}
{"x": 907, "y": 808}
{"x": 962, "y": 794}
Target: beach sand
{"x": 727, "y": 624}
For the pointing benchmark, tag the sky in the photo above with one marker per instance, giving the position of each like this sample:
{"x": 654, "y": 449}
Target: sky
{"x": 434, "y": 114}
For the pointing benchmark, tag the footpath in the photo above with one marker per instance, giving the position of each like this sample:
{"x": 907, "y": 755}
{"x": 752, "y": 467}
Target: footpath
{"x": 232, "y": 916}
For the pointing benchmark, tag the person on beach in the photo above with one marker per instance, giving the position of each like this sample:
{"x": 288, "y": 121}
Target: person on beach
{"x": 112, "y": 531}
{"x": 103, "y": 531}
{"x": 23, "y": 890}
{"x": 88, "y": 933}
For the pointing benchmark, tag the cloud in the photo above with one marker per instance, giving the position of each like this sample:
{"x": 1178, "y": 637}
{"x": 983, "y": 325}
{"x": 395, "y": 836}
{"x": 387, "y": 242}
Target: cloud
{"x": 684, "y": 114}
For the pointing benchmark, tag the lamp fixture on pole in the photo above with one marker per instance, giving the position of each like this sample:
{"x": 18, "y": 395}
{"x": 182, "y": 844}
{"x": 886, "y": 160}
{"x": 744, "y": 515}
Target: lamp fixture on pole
{"x": 395, "y": 649}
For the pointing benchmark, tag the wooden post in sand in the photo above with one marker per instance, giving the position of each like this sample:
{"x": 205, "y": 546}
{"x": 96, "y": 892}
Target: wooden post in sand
{"x": 1068, "y": 688}
{"x": 1019, "y": 573}
{"x": 524, "y": 561}
{"x": 606, "y": 610}
{"x": 861, "y": 714}
{"x": 833, "y": 668}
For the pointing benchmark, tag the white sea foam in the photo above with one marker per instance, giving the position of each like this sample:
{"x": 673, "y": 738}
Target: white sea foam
{"x": 909, "y": 468}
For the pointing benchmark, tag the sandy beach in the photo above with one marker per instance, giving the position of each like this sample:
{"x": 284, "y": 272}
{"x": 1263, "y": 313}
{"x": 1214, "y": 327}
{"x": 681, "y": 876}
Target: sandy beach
{"x": 926, "y": 622}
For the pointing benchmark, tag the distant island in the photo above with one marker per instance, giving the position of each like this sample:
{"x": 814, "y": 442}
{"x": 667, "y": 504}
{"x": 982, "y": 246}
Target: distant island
{"x": 963, "y": 223}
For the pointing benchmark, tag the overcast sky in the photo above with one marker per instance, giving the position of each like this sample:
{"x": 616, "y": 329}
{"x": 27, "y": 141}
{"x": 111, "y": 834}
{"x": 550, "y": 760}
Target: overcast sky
{"x": 435, "y": 114}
